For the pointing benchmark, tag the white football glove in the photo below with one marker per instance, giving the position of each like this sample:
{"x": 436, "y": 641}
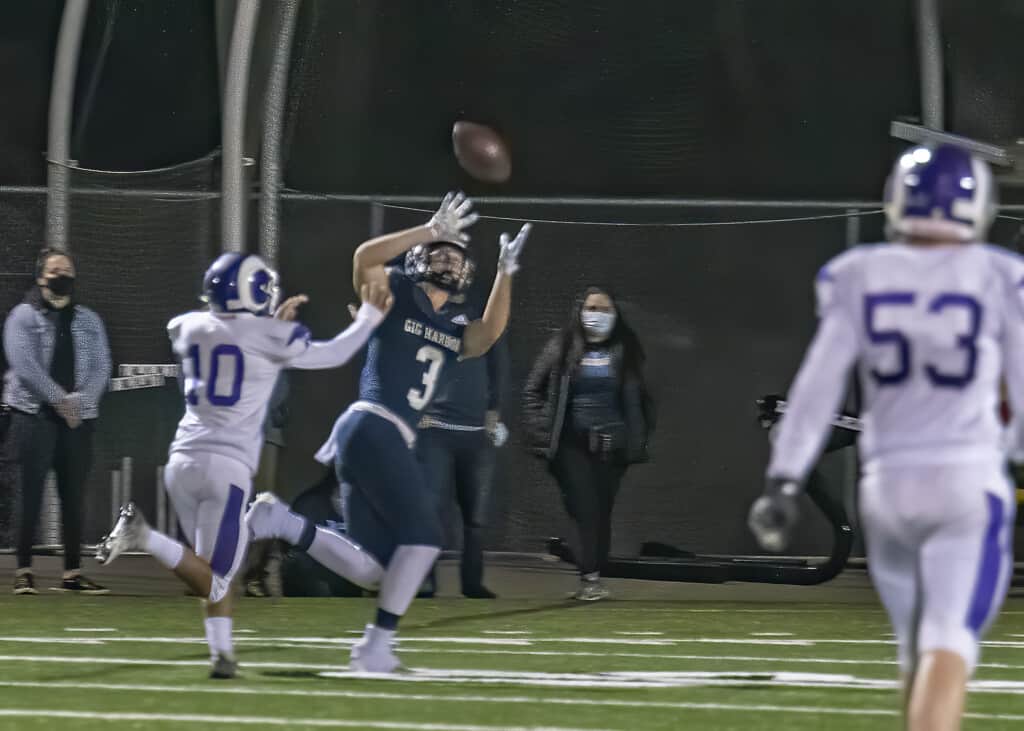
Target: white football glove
{"x": 774, "y": 514}
{"x": 452, "y": 218}
{"x": 508, "y": 257}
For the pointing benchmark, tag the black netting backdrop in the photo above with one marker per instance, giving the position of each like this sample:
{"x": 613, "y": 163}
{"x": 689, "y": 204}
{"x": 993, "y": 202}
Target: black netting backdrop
{"x": 729, "y": 97}
{"x": 142, "y": 256}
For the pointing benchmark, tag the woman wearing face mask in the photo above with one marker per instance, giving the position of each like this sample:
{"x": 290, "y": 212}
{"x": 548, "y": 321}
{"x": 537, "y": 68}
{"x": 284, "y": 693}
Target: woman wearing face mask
{"x": 587, "y": 412}
{"x": 59, "y": 368}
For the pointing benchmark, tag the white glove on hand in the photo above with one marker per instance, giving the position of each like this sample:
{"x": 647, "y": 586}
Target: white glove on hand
{"x": 454, "y": 215}
{"x": 774, "y": 514}
{"x": 508, "y": 257}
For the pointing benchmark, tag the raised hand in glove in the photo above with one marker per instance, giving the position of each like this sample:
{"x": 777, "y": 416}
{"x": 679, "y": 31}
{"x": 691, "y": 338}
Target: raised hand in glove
{"x": 452, "y": 218}
{"x": 508, "y": 256}
{"x": 774, "y": 514}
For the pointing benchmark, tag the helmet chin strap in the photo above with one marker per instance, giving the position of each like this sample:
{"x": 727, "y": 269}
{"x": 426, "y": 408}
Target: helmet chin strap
{"x": 438, "y": 296}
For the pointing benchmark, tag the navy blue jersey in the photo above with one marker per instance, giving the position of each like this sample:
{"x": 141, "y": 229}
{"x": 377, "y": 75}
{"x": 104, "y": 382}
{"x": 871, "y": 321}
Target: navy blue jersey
{"x": 409, "y": 352}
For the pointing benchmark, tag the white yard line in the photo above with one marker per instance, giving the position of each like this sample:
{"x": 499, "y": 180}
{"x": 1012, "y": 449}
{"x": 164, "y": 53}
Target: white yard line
{"x": 510, "y": 700}
{"x": 624, "y": 680}
{"x": 93, "y": 629}
{"x": 640, "y": 634}
{"x": 217, "y": 720}
{"x": 336, "y": 645}
{"x": 771, "y": 634}
{"x": 505, "y": 632}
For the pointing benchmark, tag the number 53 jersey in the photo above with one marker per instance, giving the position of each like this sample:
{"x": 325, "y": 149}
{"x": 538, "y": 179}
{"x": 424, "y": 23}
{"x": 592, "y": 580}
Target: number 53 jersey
{"x": 407, "y": 354}
{"x": 933, "y": 332}
{"x": 229, "y": 364}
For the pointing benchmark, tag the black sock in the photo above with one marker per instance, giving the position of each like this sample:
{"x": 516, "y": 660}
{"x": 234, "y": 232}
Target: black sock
{"x": 387, "y": 620}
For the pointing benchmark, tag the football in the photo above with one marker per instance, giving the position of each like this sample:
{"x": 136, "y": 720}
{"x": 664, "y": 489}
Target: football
{"x": 481, "y": 152}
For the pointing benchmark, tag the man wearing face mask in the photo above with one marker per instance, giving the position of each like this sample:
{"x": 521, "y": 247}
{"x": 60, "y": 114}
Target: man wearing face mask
{"x": 59, "y": 369}
{"x": 588, "y": 413}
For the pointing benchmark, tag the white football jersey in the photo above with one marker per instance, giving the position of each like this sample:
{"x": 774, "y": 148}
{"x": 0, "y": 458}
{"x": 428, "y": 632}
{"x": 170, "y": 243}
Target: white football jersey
{"x": 933, "y": 331}
{"x": 230, "y": 363}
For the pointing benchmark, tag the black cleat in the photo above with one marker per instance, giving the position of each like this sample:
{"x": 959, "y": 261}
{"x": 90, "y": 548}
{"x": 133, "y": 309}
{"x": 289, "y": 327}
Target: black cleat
{"x": 81, "y": 585}
{"x": 223, "y": 668}
{"x": 25, "y": 583}
{"x": 479, "y": 592}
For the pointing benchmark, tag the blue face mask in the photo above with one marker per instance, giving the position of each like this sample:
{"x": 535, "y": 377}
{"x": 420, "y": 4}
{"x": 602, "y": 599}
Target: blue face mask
{"x": 598, "y": 324}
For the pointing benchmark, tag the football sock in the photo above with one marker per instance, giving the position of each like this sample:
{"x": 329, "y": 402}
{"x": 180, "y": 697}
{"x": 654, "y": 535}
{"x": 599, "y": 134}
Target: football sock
{"x": 164, "y": 549}
{"x": 345, "y": 558}
{"x": 405, "y": 573}
{"x": 218, "y": 636}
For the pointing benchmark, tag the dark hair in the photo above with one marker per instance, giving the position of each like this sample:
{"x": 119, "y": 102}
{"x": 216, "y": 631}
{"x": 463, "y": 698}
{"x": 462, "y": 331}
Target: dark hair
{"x": 46, "y": 253}
{"x": 574, "y": 337}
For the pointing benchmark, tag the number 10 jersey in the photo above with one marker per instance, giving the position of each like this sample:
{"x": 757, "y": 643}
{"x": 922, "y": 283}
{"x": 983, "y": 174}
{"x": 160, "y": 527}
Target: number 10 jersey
{"x": 229, "y": 365}
{"x": 933, "y": 331}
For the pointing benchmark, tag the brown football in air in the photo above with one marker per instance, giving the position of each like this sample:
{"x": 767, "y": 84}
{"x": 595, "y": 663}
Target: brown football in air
{"x": 481, "y": 152}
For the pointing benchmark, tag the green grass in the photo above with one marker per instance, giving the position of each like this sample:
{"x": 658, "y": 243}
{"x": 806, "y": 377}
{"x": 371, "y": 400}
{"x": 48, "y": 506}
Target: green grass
{"x": 281, "y": 661}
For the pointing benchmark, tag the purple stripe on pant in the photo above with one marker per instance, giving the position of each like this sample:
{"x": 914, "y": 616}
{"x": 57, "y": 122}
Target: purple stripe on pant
{"x": 985, "y": 589}
{"x": 227, "y": 535}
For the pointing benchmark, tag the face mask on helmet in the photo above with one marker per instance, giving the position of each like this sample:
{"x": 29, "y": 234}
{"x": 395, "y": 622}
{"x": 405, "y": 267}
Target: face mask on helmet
{"x": 240, "y": 283}
{"x": 942, "y": 193}
{"x": 598, "y": 324}
{"x": 443, "y": 264}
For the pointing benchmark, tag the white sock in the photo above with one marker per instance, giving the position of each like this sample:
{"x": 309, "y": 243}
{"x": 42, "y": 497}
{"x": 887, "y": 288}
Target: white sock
{"x": 218, "y": 636}
{"x": 376, "y": 635}
{"x": 291, "y": 527}
{"x": 164, "y": 549}
{"x": 345, "y": 558}
{"x": 405, "y": 574}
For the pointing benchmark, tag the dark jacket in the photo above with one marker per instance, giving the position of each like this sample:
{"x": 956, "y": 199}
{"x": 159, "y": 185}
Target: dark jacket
{"x": 546, "y": 400}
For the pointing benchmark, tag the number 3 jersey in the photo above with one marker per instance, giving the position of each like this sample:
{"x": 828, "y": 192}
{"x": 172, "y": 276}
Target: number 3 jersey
{"x": 933, "y": 332}
{"x": 230, "y": 363}
{"x": 407, "y": 354}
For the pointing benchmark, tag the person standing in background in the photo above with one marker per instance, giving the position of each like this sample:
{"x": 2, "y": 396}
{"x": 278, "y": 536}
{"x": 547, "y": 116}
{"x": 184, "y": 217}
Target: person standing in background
{"x": 265, "y": 480}
{"x": 586, "y": 410}
{"x": 456, "y": 444}
{"x": 59, "y": 368}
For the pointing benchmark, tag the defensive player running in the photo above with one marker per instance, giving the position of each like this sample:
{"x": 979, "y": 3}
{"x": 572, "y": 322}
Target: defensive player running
{"x": 393, "y": 522}
{"x": 231, "y": 356}
{"x": 934, "y": 320}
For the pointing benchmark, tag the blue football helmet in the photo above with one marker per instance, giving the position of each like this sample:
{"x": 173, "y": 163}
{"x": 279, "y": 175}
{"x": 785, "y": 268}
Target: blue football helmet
{"x": 444, "y": 264}
{"x": 241, "y": 283}
{"x": 941, "y": 192}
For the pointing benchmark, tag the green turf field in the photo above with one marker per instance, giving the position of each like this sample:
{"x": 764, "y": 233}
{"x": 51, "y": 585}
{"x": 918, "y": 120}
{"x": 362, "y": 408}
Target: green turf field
{"x": 124, "y": 662}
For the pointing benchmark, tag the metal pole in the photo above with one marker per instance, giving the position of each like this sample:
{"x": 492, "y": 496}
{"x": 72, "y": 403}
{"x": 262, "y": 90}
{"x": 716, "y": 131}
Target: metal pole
{"x": 929, "y": 44}
{"x": 233, "y": 205}
{"x": 62, "y": 98}
{"x": 126, "y": 479}
{"x": 271, "y": 165}
{"x": 115, "y": 495}
{"x": 161, "y": 501}
{"x": 851, "y": 465}
{"x": 376, "y": 219}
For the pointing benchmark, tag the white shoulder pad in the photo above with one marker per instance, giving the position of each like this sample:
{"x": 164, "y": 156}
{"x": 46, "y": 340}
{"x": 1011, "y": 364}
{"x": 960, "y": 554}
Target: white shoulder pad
{"x": 833, "y": 279}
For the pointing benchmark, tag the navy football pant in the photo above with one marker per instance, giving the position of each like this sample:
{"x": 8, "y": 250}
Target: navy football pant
{"x": 389, "y": 504}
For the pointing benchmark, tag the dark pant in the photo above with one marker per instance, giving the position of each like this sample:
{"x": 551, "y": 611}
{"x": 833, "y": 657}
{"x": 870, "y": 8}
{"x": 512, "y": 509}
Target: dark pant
{"x": 43, "y": 443}
{"x": 388, "y": 503}
{"x": 463, "y": 461}
{"x": 588, "y": 485}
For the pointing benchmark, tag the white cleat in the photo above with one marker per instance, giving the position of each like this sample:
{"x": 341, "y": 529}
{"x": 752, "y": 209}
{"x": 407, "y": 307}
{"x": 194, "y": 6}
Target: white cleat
{"x": 373, "y": 654}
{"x": 265, "y": 517}
{"x": 127, "y": 535}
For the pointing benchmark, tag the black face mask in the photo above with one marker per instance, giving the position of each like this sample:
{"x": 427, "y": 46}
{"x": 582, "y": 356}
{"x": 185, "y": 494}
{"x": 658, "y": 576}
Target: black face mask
{"x": 62, "y": 285}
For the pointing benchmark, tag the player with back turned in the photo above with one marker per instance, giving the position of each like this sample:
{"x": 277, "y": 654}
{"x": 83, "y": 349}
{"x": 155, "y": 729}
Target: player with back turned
{"x": 933, "y": 321}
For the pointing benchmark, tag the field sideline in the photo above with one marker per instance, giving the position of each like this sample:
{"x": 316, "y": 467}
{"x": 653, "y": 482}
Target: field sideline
{"x": 658, "y": 656}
